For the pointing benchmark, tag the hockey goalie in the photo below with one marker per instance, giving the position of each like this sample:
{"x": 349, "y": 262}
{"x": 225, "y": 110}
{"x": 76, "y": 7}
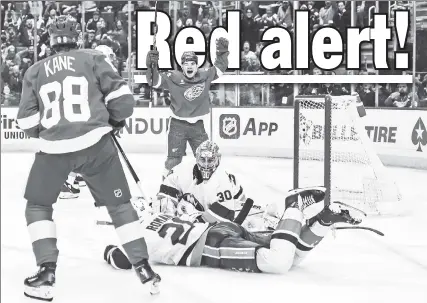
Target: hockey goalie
{"x": 201, "y": 182}
{"x": 191, "y": 227}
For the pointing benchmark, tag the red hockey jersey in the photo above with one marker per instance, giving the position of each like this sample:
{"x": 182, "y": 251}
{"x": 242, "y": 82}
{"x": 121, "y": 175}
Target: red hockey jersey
{"x": 189, "y": 97}
{"x": 68, "y": 98}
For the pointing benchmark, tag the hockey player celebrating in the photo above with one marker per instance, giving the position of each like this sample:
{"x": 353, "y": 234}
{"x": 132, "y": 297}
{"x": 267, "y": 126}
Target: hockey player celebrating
{"x": 201, "y": 183}
{"x": 190, "y": 240}
{"x": 71, "y": 101}
{"x": 189, "y": 95}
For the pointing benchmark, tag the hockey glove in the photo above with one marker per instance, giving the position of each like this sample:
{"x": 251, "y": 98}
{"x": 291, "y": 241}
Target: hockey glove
{"x": 152, "y": 58}
{"x": 117, "y": 126}
{"x": 221, "y": 46}
{"x": 189, "y": 199}
{"x": 221, "y": 60}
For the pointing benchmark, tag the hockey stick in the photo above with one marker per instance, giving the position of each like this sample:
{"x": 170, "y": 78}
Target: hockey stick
{"x": 340, "y": 227}
{"x": 239, "y": 219}
{"x": 154, "y": 48}
{"x": 129, "y": 166}
{"x": 244, "y": 211}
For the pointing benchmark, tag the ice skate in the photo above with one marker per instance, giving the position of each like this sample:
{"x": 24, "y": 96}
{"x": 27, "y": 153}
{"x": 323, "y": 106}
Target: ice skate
{"x": 300, "y": 198}
{"x": 338, "y": 212}
{"x": 146, "y": 274}
{"x": 69, "y": 191}
{"x": 40, "y": 286}
{"x": 80, "y": 181}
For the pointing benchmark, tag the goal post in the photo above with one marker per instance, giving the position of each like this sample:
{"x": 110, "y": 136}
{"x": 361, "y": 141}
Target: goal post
{"x": 332, "y": 148}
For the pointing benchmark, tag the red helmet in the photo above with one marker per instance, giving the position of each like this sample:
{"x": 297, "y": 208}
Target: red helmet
{"x": 189, "y": 56}
{"x": 63, "y": 31}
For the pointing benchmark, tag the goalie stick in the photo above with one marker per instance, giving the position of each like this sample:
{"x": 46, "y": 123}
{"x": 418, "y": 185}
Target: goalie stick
{"x": 336, "y": 228}
{"x": 239, "y": 219}
{"x": 244, "y": 211}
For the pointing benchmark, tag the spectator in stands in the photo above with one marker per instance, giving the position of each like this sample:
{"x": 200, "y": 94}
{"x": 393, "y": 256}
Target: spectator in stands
{"x": 421, "y": 85}
{"x": 367, "y": 95}
{"x": 249, "y": 60}
{"x": 250, "y": 29}
{"x": 284, "y": 14}
{"x": 342, "y": 19}
{"x": 402, "y": 98}
{"x": 92, "y": 23}
{"x": 269, "y": 19}
{"x": 327, "y": 13}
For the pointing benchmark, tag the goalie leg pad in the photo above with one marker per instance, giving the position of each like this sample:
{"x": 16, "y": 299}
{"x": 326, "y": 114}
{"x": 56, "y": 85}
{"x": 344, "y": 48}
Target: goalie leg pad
{"x": 309, "y": 238}
{"x": 227, "y": 249}
{"x": 280, "y": 256}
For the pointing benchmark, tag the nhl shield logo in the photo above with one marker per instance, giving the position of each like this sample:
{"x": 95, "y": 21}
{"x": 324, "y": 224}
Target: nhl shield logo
{"x": 229, "y": 126}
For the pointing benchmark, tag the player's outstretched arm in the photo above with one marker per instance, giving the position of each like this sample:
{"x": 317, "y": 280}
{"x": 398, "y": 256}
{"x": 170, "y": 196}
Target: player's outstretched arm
{"x": 221, "y": 61}
{"x": 117, "y": 95}
{"x": 28, "y": 113}
{"x": 153, "y": 75}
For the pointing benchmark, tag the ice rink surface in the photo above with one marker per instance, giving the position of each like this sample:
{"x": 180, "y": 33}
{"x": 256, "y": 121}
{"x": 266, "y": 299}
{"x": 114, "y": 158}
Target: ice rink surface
{"x": 355, "y": 266}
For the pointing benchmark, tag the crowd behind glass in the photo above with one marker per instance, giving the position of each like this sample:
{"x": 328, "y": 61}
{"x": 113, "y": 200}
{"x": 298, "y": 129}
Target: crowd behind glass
{"x": 24, "y": 40}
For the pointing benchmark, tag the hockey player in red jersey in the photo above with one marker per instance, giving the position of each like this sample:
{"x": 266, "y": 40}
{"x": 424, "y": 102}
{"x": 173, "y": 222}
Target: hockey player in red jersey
{"x": 71, "y": 101}
{"x": 71, "y": 187}
{"x": 197, "y": 241}
{"x": 189, "y": 96}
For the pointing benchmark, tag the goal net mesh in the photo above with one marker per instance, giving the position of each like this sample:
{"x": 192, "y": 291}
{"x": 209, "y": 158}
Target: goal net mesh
{"x": 357, "y": 175}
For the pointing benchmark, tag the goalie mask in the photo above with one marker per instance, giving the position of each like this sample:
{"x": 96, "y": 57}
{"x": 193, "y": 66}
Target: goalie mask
{"x": 208, "y": 157}
{"x": 189, "y": 64}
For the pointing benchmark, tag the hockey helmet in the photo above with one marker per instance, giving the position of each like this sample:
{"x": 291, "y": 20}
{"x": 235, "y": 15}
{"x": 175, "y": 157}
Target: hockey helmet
{"x": 63, "y": 31}
{"x": 107, "y": 52}
{"x": 189, "y": 56}
{"x": 208, "y": 158}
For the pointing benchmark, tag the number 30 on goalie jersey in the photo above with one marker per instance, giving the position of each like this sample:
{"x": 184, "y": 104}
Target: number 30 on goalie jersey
{"x": 221, "y": 187}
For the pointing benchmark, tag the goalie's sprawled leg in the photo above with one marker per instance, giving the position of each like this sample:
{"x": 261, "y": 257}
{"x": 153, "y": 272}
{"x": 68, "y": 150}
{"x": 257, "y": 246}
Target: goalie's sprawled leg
{"x": 230, "y": 246}
{"x": 313, "y": 233}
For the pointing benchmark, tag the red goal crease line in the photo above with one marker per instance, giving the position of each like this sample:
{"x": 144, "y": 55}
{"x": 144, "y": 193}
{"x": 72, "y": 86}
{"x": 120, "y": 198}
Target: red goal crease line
{"x": 272, "y": 79}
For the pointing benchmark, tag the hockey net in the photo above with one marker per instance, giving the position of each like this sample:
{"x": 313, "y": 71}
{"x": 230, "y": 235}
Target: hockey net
{"x": 331, "y": 148}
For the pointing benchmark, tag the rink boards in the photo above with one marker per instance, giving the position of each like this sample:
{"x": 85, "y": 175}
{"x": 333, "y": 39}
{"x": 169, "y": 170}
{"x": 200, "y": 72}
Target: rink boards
{"x": 399, "y": 136}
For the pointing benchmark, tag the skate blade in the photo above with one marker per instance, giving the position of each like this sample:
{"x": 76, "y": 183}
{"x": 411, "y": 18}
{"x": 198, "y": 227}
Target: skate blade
{"x": 155, "y": 287}
{"x": 43, "y": 293}
{"x": 68, "y": 196}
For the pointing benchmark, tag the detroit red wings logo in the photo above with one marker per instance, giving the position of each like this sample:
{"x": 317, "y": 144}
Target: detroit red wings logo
{"x": 193, "y": 92}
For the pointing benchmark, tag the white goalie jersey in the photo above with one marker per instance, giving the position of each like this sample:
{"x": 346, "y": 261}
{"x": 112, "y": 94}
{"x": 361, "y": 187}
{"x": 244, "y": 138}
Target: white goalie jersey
{"x": 222, "y": 187}
{"x": 168, "y": 238}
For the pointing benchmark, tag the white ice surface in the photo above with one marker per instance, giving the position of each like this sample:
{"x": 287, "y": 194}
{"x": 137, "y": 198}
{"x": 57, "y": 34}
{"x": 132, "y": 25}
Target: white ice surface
{"x": 356, "y": 266}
